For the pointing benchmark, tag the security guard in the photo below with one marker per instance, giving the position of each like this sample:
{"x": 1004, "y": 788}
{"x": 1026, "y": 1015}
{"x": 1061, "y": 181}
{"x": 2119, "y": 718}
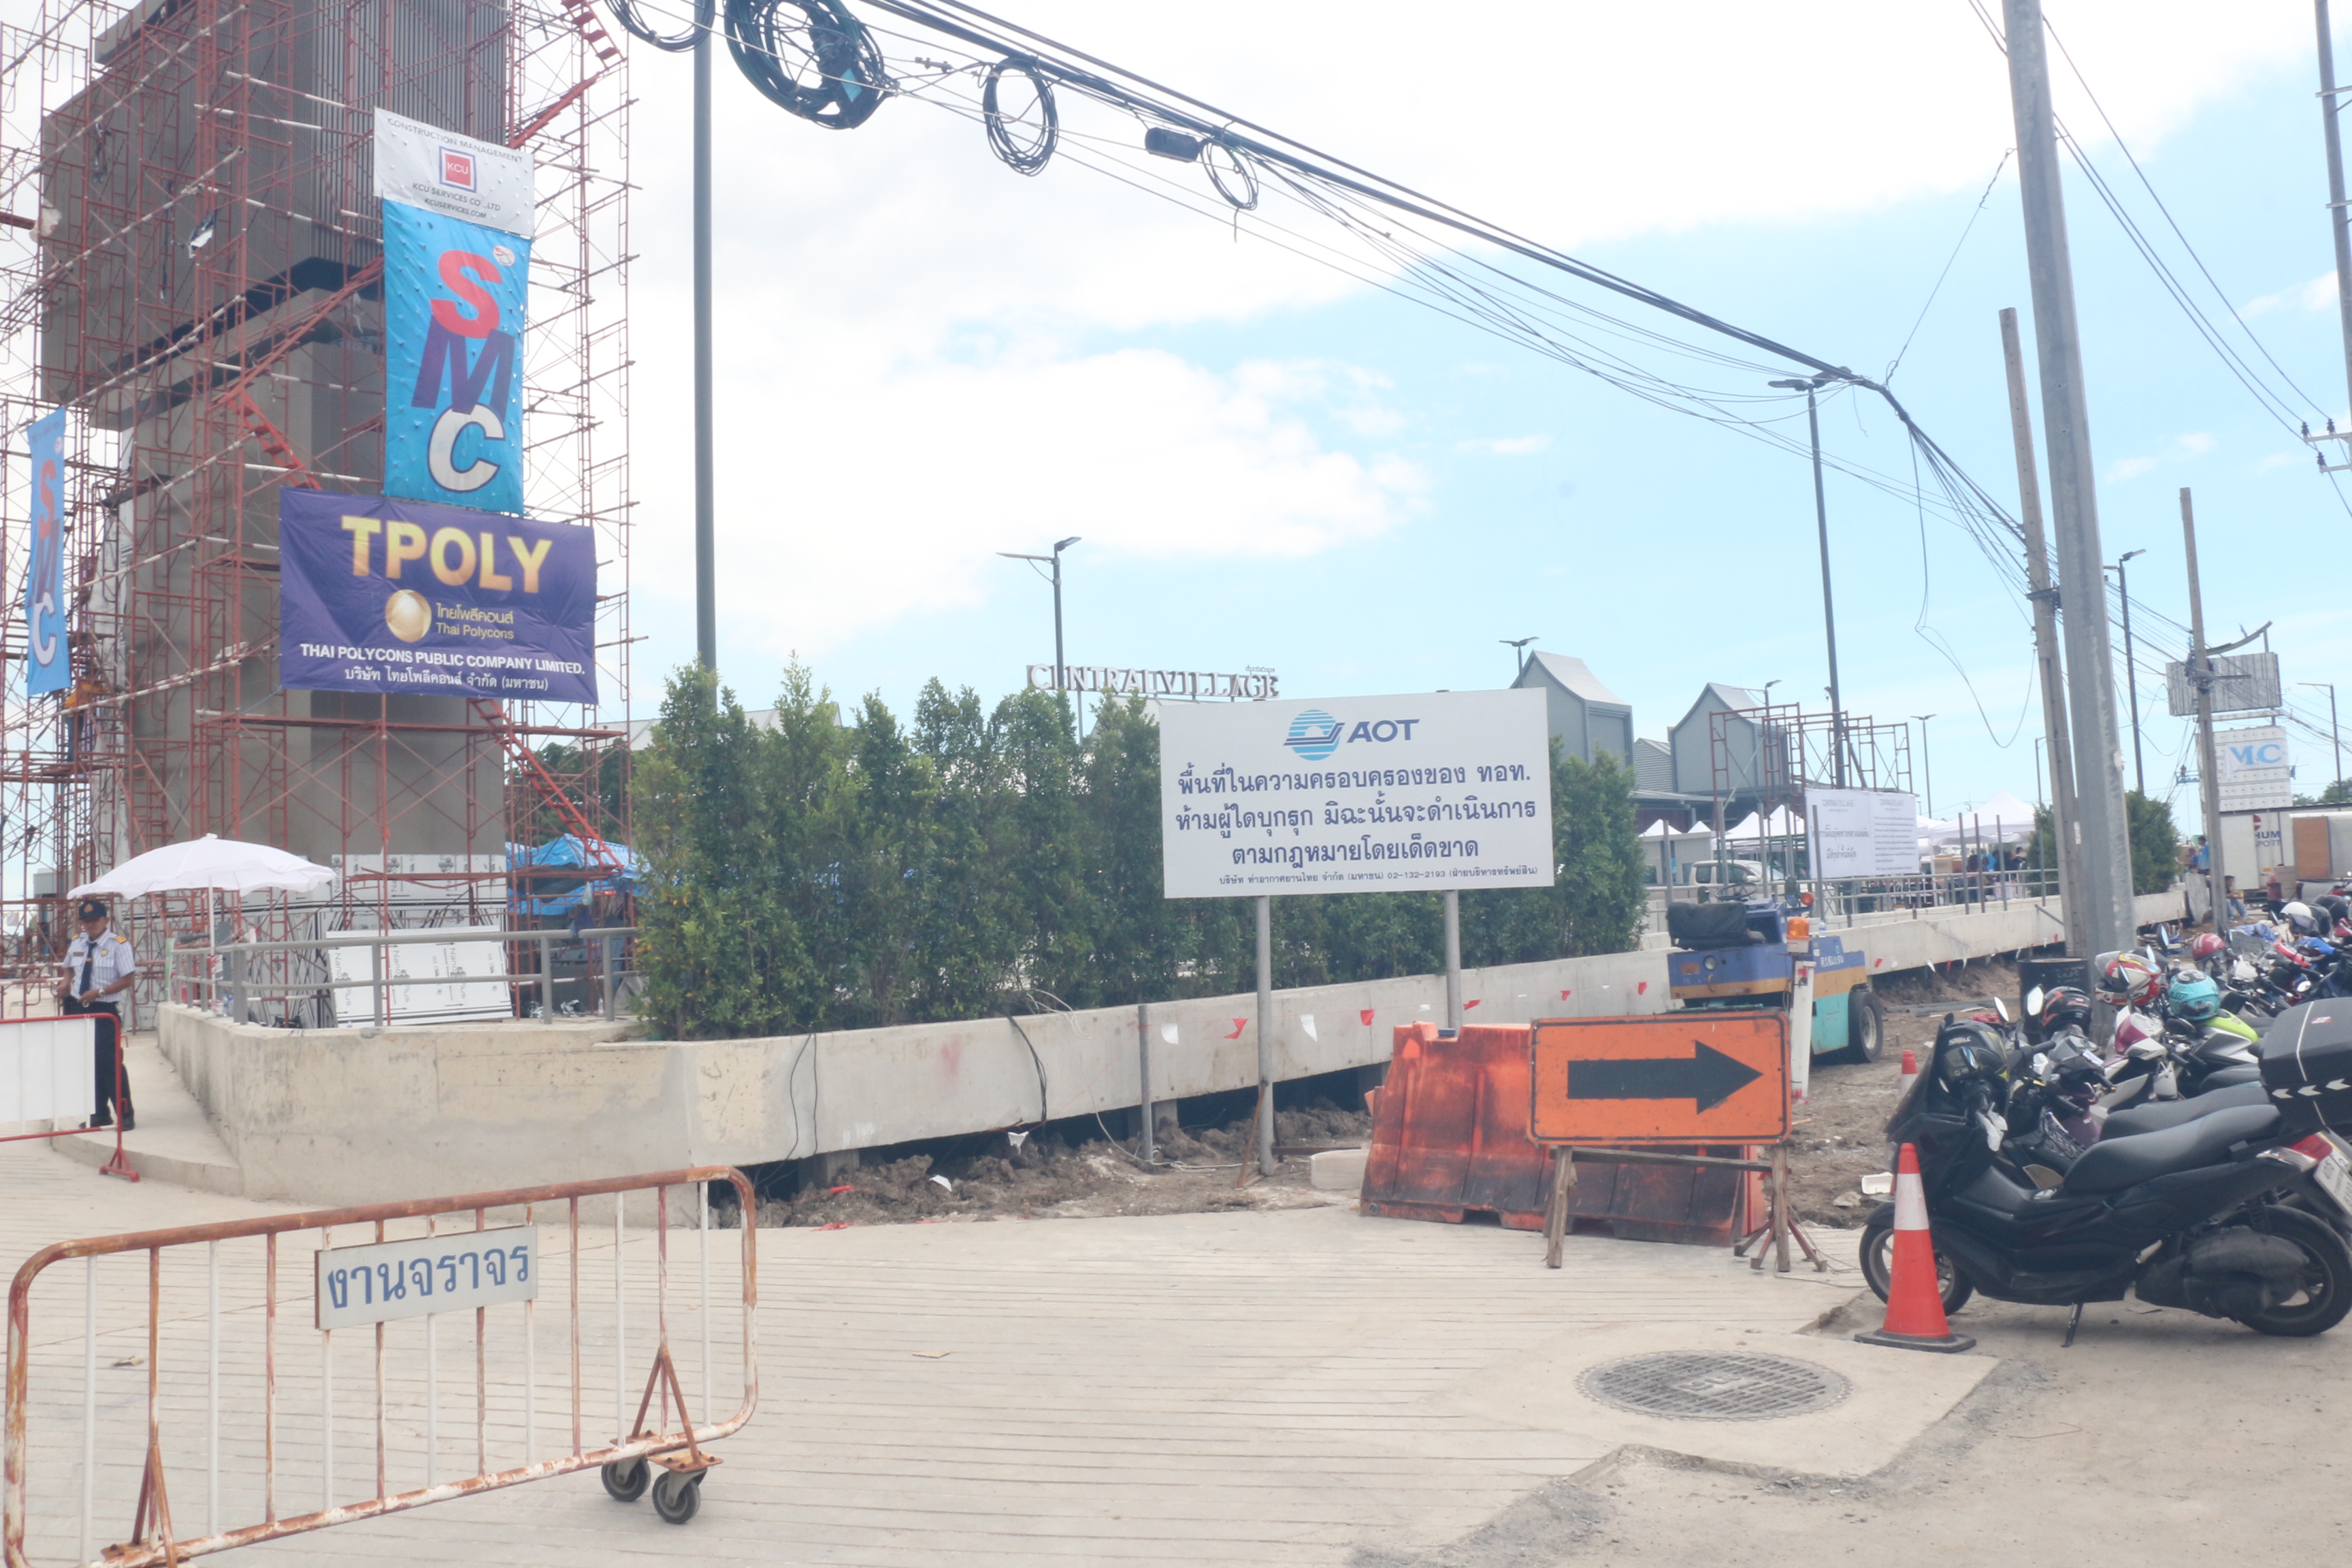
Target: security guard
{"x": 99, "y": 966}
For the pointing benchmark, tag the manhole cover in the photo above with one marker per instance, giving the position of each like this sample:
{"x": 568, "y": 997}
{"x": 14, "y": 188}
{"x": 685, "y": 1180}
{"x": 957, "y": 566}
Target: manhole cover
{"x": 1733, "y": 1387}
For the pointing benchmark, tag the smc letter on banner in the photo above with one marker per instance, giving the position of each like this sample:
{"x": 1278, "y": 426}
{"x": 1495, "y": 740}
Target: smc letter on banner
{"x": 454, "y": 300}
{"x": 47, "y": 666}
{"x": 383, "y": 595}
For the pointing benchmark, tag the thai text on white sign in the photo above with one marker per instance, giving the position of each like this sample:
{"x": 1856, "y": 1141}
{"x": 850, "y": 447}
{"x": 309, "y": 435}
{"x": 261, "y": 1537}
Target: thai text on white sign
{"x": 1356, "y": 794}
{"x": 1862, "y": 832}
{"x": 426, "y": 1274}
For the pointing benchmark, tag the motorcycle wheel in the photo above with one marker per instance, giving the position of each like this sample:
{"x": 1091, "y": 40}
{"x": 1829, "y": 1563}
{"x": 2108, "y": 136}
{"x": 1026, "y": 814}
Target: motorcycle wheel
{"x": 1879, "y": 1263}
{"x": 2326, "y": 1294}
{"x": 1865, "y": 1028}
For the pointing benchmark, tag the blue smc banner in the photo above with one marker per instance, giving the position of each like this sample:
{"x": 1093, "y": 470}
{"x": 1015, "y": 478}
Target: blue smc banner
{"x": 378, "y": 595}
{"x": 47, "y": 666}
{"x": 453, "y": 304}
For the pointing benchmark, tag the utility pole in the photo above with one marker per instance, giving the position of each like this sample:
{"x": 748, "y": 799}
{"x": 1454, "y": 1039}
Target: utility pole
{"x": 2046, "y": 644}
{"x": 705, "y": 499}
{"x": 1829, "y": 612}
{"x": 2334, "y": 734}
{"x": 1519, "y": 646}
{"x": 2131, "y": 669}
{"x": 2107, "y": 888}
{"x": 1926, "y": 765}
{"x": 2209, "y": 764}
{"x": 2339, "y": 218}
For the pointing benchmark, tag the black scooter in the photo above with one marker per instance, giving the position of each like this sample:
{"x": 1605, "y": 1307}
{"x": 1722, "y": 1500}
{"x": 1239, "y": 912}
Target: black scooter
{"x": 2191, "y": 1216}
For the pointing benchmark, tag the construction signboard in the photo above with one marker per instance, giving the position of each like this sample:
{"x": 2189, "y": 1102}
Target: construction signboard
{"x": 1696, "y": 1075}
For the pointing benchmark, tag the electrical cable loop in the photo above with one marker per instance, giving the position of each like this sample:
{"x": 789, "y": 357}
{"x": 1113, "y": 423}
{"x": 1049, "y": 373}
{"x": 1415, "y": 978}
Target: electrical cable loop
{"x": 625, "y": 12}
{"x": 811, "y": 58}
{"x": 1042, "y": 128}
{"x": 1230, "y": 172}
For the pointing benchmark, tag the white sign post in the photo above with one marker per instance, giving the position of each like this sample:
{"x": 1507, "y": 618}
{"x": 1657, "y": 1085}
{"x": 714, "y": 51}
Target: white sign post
{"x": 1434, "y": 792}
{"x": 1862, "y": 833}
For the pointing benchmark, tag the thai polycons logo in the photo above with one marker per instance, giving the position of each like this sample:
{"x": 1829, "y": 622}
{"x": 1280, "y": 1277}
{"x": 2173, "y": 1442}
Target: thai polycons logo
{"x": 1315, "y": 734}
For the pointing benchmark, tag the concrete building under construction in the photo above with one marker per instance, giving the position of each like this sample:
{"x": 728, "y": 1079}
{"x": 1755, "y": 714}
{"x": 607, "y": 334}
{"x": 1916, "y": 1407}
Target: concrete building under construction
{"x": 191, "y": 268}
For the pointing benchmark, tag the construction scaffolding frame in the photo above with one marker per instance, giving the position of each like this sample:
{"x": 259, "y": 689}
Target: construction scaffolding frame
{"x": 190, "y": 257}
{"x": 1767, "y": 757}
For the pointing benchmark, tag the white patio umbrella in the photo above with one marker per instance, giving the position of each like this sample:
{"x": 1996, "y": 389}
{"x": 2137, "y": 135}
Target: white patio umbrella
{"x": 212, "y": 862}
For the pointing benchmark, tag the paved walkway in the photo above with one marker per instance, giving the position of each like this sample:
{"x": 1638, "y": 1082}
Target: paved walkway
{"x": 1260, "y": 1387}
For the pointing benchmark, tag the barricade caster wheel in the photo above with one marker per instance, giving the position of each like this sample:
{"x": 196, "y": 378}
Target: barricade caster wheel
{"x": 677, "y": 1495}
{"x": 626, "y": 1479}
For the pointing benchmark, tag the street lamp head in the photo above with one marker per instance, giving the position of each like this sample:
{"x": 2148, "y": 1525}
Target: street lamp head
{"x": 2127, "y": 555}
{"x": 1062, "y": 544}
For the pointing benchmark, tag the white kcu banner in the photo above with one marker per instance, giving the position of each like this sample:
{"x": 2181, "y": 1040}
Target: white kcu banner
{"x": 1357, "y": 794}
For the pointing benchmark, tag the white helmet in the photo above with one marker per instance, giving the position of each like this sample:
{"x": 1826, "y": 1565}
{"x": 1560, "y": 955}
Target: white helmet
{"x": 2298, "y": 915}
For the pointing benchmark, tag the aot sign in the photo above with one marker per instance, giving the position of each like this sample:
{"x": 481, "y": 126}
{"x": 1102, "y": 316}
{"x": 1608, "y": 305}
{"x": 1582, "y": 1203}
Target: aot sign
{"x": 1356, "y": 794}
{"x": 378, "y": 595}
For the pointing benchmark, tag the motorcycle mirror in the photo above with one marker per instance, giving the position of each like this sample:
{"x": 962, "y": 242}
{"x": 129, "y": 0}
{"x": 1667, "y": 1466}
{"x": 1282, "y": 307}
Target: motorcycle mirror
{"x": 2034, "y": 1000}
{"x": 2002, "y": 1008}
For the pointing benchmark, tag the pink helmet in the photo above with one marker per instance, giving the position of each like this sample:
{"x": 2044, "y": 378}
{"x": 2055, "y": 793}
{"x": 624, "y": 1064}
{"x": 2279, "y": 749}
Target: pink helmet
{"x": 2207, "y": 944}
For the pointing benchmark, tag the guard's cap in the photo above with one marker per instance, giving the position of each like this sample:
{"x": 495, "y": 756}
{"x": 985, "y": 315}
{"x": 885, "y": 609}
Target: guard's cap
{"x": 92, "y": 910}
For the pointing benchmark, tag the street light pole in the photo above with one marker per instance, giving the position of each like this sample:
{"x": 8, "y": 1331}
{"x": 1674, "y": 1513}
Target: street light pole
{"x": 1926, "y": 763}
{"x": 705, "y": 499}
{"x": 1810, "y": 384}
{"x": 2337, "y": 734}
{"x": 1061, "y": 668}
{"x": 2131, "y": 674}
{"x": 1519, "y": 646}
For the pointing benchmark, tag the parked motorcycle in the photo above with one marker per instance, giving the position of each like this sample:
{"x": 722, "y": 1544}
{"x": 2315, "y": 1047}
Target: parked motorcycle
{"x": 2191, "y": 1216}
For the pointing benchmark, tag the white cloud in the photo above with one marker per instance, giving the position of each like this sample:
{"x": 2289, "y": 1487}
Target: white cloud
{"x": 2319, "y": 294}
{"x": 2125, "y": 468}
{"x": 2195, "y": 444}
{"x": 923, "y": 356}
{"x": 1507, "y": 445}
{"x": 2278, "y": 460}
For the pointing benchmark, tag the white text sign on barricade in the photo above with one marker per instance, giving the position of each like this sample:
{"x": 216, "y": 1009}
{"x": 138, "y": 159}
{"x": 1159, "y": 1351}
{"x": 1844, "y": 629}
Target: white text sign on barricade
{"x": 1357, "y": 794}
{"x": 452, "y": 1273}
{"x": 1862, "y": 832}
{"x": 47, "y": 1071}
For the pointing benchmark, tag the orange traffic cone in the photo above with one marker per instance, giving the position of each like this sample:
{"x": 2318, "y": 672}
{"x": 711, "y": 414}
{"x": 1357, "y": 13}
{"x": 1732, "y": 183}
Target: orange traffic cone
{"x": 1910, "y": 1071}
{"x": 1914, "y": 1306}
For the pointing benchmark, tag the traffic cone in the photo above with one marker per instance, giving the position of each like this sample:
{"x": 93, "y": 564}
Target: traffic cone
{"x": 1915, "y": 1307}
{"x": 1910, "y": 1071}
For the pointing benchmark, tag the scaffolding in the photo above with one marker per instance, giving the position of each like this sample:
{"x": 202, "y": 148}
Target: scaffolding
{"x": 1767, "y": 757}
{"x": 190, "y": 257}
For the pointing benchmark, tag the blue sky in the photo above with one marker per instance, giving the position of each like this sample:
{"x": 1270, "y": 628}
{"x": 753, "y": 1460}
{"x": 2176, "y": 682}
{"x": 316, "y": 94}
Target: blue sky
{"x": 925, "y": 359}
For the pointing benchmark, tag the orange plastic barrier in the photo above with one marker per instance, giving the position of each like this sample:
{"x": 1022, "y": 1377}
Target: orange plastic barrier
{"x": 1450, "y": 1138}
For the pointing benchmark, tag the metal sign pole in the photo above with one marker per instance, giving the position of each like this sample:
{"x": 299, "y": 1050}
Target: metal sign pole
{"x": 1265, "y": 1161}
{"x": 1453, "y": 960}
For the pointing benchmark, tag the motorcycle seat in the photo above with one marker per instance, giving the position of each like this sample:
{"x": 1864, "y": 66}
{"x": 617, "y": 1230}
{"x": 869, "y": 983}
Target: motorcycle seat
{"x": 2164, "y": 1113}
{"x": 2238, "y": 1077}
{"x": 2110, "y": 1167}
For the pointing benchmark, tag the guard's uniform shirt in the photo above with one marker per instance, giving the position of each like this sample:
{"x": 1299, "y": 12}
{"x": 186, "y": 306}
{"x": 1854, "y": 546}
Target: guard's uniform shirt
{"x": 110, "y": 960}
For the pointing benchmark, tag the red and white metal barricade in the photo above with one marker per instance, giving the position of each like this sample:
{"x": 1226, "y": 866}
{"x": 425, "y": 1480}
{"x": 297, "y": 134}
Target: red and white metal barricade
{"x": 48, "y": 1073}
{"x": 219, "y": 1407}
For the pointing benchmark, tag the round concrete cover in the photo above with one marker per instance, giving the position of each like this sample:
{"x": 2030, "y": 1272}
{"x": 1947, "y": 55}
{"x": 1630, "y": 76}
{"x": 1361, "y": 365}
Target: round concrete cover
{"x": 1728, "y": 1387}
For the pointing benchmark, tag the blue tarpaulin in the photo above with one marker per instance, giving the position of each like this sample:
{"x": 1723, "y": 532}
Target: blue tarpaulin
{"x": 546, "y": 895}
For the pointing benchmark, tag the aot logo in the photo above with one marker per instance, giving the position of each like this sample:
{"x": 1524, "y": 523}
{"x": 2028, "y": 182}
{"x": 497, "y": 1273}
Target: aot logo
{"x": 1315, "y": 734}
{"x": 479, "y": 385}
{"x": 457, "y": 169}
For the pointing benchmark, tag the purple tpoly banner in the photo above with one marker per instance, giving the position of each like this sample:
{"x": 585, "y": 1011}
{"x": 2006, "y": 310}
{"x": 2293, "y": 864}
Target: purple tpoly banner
{"x": 379, "y": 595}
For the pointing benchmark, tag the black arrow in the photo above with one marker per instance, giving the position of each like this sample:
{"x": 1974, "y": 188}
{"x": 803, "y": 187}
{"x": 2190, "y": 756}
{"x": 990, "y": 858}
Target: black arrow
{"x": 1709, "y": 1077}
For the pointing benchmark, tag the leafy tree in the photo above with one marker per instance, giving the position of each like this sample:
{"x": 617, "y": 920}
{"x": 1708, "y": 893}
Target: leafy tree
{"x": 721, "y": 949}
{"x": 2154, "y": 843}
{"x": 963, "y": 932}
{"x": 1045, "y": 843}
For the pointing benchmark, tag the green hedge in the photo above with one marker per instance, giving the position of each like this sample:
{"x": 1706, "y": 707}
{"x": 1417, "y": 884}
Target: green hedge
{"x": 847, "y": 872}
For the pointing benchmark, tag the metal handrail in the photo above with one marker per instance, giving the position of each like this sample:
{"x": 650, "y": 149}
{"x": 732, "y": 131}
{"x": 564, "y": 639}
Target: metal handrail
{"x": 234, "y": 957}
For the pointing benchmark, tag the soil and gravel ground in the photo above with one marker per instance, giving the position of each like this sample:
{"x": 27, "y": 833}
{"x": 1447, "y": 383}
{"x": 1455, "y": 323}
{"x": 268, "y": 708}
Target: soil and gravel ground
{"x": 1047, "y": 1176}
{"x": 1841, "y": 1132}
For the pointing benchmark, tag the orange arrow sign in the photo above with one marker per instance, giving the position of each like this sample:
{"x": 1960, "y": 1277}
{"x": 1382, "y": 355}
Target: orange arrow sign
{"x": 1696, "y": 1075}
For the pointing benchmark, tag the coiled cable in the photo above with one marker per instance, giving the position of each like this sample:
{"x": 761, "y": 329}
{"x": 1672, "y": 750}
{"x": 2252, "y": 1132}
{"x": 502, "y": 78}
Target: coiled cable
{"x": 809, "y": 57}
{"x": 1022, "y": 157}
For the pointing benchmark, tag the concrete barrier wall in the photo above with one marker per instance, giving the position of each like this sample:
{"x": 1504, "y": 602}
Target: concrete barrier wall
{"x": 375, "y": 1115}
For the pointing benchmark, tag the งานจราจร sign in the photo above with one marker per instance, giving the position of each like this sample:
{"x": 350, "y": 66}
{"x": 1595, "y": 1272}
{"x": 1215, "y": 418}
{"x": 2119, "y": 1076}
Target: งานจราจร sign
{"x": 47, "y": 666}
{"x": 378, "y": 595}
{"x": 1862, "y": 832}
{"x": 1698, "y": 1075}
{"x": 384, "y": 1280}
{"x": 1356, "y": 794}
{"x": 456, "y": 264}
